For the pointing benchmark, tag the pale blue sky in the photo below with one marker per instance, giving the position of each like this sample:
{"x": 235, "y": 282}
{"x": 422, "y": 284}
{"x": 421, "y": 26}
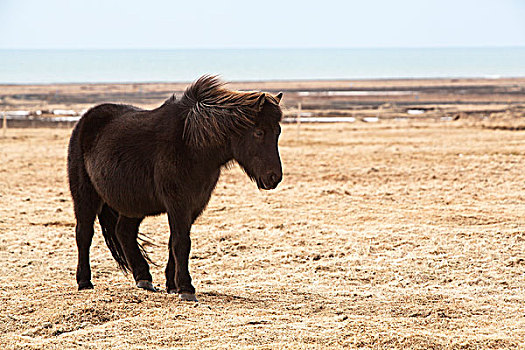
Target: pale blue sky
{"x": 166, "y": 24}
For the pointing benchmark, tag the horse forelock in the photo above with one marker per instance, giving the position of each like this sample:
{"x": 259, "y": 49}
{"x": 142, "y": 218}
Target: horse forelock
{"x": 214, "y": 112}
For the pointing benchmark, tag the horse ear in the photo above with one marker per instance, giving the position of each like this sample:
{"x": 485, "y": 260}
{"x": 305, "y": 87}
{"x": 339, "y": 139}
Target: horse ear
{"x": 278, "y": 97}
{"x": 260, "y": 101}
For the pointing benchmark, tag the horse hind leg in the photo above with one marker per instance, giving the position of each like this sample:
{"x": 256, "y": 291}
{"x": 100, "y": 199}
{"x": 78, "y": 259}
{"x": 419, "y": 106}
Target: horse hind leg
{"x": 86, "y": 204}
{"x": 127, "y": 233}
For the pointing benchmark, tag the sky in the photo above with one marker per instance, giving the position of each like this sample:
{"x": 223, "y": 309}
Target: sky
{"x": 156, "y": 24}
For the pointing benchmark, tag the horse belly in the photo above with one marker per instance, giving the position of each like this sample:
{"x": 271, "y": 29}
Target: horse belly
{"x": 127, "y": 189}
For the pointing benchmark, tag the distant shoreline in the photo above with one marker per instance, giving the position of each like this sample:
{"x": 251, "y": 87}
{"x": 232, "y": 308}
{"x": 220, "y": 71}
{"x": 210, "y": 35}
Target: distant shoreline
{"x": 290, "y": 82}
{"x": 270, "y": 81}
{"x": 369, "y": 101}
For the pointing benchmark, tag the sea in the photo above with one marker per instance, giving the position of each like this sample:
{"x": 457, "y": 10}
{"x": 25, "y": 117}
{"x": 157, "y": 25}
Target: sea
{"x": 184, "y": 65}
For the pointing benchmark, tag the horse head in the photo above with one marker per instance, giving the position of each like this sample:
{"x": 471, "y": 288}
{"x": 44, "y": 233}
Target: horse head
{"x": 256, "y": 148}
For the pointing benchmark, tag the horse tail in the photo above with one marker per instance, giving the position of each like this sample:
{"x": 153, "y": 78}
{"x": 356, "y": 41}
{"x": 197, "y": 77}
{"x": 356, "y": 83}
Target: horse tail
{"x": 108, "y": 222}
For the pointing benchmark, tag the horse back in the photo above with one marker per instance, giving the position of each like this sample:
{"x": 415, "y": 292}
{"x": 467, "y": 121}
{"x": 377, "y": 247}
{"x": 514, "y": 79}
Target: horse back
{"x": 92, "y": 123}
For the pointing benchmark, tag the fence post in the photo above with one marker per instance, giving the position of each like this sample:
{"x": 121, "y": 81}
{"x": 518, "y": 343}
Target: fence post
{"x": 298, "y": 120}
{"x": 4, "y": 124}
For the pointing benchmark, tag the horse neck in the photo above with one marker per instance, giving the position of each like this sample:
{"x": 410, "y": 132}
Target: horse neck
{"x": 213, "y": 157}
{"x": 172, "y": 124}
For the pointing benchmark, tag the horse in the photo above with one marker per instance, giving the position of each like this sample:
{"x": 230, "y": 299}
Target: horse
{"x": 126, "y": 163}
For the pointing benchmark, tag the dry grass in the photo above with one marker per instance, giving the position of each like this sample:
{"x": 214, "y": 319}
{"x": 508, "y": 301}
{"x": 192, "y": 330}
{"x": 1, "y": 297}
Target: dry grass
{"x": 384, "y": 236}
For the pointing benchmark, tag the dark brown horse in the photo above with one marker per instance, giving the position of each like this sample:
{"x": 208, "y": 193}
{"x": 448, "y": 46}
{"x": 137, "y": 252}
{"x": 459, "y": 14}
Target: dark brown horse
{"x": 125, "y": 163}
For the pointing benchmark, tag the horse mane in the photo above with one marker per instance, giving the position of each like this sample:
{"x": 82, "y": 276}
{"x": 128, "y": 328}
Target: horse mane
{"x": 214, "y": 112}
{"x": 171, "y": 100}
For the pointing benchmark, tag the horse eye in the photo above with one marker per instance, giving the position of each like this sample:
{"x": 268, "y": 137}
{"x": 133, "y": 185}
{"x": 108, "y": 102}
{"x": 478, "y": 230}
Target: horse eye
{"x": 258, "y": 133}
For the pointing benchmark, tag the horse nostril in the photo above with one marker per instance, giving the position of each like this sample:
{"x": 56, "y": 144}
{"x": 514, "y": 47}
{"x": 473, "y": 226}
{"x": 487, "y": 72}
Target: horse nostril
{"x": 274, "y": 178}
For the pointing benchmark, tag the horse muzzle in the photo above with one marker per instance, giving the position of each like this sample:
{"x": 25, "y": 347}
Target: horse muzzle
{"x": 270, "y": 181}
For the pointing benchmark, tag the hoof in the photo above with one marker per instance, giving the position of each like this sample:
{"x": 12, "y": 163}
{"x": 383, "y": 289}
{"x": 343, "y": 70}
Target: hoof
{"x": 187, "y": 297}
{"x": 85, "y": 285}
{"x": 147, "y": 285}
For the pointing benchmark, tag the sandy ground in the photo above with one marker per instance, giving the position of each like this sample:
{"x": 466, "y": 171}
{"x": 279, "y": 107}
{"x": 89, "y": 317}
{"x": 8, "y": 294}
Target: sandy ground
{"x": 392, "y": 235}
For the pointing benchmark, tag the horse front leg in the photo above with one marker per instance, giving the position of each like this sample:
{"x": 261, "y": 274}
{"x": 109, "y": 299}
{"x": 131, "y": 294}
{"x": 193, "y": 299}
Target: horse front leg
{"x": 180, "y": 246}
{"x": 171, "y": 287}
